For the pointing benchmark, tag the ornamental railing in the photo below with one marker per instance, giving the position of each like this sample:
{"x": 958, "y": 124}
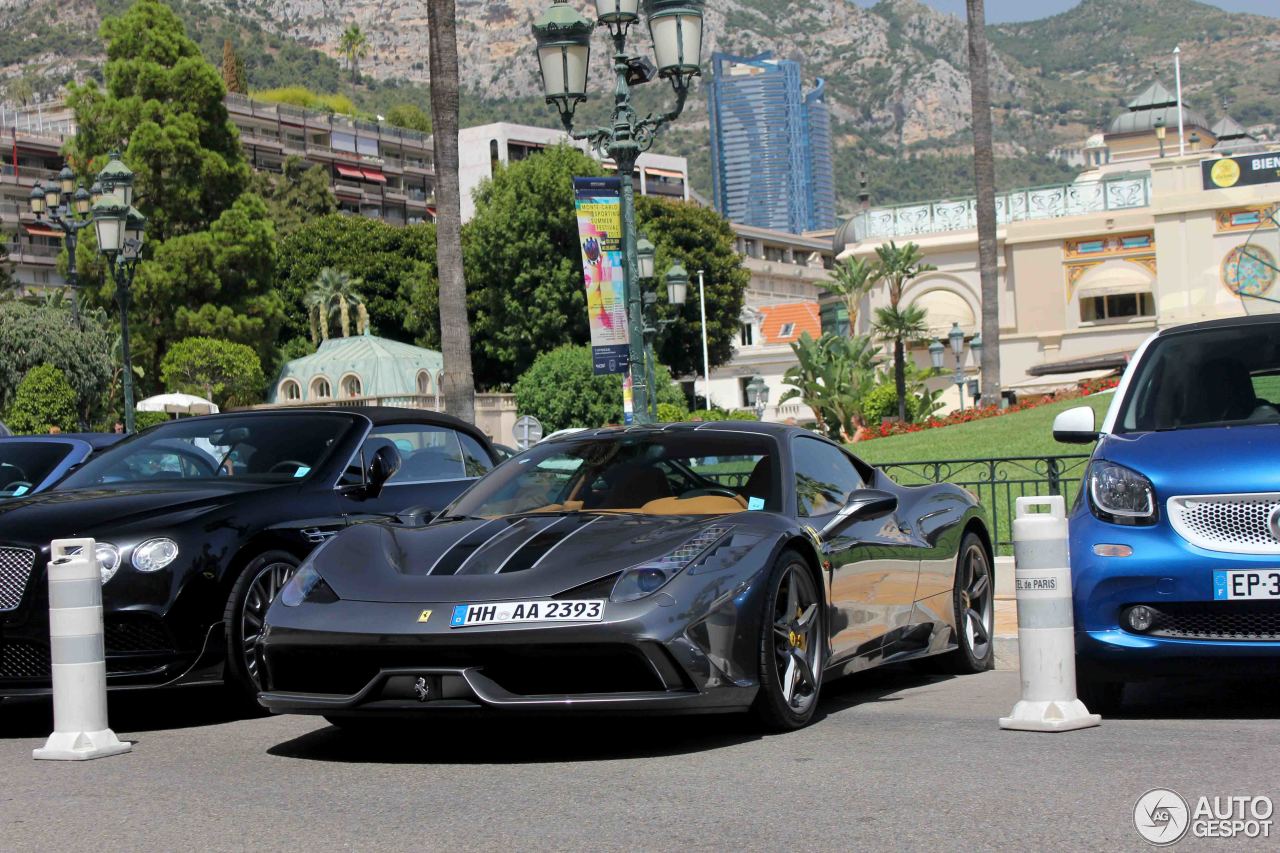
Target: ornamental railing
{"x": 1050, "y": 202}
{"x": 998, "y": 482}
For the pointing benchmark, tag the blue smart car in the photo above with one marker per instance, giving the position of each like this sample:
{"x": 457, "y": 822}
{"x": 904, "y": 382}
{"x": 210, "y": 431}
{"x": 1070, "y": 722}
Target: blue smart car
{"x": 1175, "y": 539}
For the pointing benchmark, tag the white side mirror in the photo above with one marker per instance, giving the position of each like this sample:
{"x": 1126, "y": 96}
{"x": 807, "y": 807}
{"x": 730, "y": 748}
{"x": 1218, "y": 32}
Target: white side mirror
{"x": 1075, "y": 426}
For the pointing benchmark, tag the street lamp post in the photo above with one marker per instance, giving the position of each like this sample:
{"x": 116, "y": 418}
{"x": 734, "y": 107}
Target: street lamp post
{"x": 677, "y": 290}
{"x": 758, "y": 395}
{"x": 65, "y": 202}
{"x": 563, "y": 38}
{"x": 120, "y": 231}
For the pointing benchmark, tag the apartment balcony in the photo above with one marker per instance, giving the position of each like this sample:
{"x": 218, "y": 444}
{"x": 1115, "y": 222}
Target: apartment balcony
{"x": 1050, "y": 202}
{"x": 33, "y": 255}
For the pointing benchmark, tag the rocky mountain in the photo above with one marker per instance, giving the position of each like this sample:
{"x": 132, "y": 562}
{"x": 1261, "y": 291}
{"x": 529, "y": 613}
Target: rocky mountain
{"x": 896, "y": 72}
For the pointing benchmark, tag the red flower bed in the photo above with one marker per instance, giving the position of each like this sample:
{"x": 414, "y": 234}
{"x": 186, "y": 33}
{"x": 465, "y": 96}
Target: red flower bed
{"x": 1093, "y": 386}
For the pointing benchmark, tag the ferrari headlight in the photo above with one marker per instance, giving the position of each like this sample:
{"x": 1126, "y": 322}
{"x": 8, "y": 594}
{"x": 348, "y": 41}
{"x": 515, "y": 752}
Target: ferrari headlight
{"x": 154, "y": 554}
{"x": 108, "y": 559}
{"x": 1121, "y": 495}
{"x": 652, "y": 575}
{"x": 306, "y": 585}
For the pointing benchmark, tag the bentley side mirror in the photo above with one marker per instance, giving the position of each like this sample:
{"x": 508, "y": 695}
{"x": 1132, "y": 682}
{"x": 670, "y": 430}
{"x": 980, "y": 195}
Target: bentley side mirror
{"x": 379, "y": 468}
{"x": 1075, "y": 426}
{"x": 863, "y": 505}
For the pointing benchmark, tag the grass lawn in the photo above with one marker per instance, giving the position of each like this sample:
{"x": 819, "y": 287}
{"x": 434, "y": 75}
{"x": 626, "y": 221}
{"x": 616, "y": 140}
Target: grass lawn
{"x": 1026, "y": 433}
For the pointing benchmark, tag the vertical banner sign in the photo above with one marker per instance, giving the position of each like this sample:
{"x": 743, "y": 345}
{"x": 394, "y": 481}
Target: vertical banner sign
{"x": 598, "y": 202}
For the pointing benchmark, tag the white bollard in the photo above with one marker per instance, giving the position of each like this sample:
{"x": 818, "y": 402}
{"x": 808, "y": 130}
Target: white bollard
{"x": 1046, "y": 632}
{"x": 76, "y": 650}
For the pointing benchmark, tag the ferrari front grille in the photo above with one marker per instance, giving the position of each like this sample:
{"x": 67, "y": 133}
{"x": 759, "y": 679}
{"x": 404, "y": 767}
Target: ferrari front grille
{"x": 1239, "y": 524}
{"x": 525, "y": 670}
{"x": 15, "y": 570}
{"x": 1257, "y": 621}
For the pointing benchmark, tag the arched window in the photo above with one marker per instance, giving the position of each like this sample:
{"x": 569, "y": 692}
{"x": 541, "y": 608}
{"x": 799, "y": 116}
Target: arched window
{"x": 320, "y": 389}
{"x": 424, "y": 383}
{"x": 351, "y": 386}
{"x": 290, "y": 391}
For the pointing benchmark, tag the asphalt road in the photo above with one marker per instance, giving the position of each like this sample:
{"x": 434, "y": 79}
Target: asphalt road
{"x": 897, "y": 760}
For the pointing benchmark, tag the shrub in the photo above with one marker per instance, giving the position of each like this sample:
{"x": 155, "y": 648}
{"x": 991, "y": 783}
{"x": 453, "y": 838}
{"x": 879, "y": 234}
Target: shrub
{"x": 560, "y": 390}
{"x": 44, "y": 399}
{"x": 882, "y": 402}
{"x": 671, "y": 413}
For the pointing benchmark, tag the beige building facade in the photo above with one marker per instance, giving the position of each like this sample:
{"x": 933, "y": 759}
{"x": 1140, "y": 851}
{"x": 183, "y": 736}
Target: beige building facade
{"x": 1088, "y": 270}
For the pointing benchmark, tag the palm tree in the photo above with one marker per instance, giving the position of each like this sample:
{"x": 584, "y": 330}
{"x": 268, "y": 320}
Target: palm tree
{"x": 898, "y": 266}
{"x": 901, "y": 325}
{"x": 354, "y": 45}
{"x": 455, "y": 335}
{"x": 334, "y": 292}
{"x": 852, "y": 280}
{"x": 984, "y": 170}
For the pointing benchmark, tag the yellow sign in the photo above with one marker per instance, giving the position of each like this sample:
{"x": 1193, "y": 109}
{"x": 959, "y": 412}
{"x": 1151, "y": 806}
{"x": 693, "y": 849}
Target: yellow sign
{"x": 1225, "y": 173}
{"x": 424, "y": 616}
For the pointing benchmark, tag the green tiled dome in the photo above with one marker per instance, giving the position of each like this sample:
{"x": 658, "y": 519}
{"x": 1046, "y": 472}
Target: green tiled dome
{"x": 373, "y": 366}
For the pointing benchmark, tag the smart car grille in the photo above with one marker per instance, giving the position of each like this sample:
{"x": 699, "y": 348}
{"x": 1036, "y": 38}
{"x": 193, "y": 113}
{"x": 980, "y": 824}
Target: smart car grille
{"x": 15, "y": 569}
{"x": 1222, "y": 620}
{"x": 528, "y": 670}
{"x": 1240, "y": 524}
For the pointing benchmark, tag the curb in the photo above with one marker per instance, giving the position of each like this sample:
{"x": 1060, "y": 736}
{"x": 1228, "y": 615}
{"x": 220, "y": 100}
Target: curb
{"x": 1006, "y": 653}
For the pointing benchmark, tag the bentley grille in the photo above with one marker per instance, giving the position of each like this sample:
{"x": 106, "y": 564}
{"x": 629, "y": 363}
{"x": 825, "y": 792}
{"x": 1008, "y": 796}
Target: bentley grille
{"x": 1239, "y": 524}
{"x": 15, "y": 570}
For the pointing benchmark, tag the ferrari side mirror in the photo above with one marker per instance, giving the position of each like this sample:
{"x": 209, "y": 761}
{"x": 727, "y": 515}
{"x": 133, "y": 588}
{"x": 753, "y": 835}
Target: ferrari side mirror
{"x": 1075, "y": 426}
{"x": 863, "y": 505}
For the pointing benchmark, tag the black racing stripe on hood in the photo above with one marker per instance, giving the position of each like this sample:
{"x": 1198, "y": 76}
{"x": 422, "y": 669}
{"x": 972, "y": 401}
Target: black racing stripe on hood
{"x": 450, "y": 561}
{"x": 542, "y": 544}
{"x": 489, "y": 558}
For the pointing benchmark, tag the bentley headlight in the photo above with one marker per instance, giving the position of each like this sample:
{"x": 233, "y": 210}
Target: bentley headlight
{"x": 306, "y": 585}
{"x": 154, "y": 554}
{"x": 1121, "y": 495}
{"x": 652, "y": 575}
{"x": 108, "y": 559}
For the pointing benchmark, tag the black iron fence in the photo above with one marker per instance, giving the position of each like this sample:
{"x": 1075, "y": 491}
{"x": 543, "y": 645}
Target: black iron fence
{"x": 998, "y": 482}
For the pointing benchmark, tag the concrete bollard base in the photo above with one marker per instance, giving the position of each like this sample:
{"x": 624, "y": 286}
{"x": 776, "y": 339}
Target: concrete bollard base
{"x": 81, "y": 746}
{"x": 1056, "y": 716}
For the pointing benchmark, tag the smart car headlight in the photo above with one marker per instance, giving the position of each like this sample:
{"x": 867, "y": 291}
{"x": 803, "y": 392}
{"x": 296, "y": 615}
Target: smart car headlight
{"x": 154, "y": 554}
{"x": 651, "y": 575}
{"x": 306, "y": 585}
{"x": 108, "y": 559}
{"x": 1120, "y": 495}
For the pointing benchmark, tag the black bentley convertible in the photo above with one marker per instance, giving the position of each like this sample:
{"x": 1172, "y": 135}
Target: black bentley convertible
{"x": 691, "y": 567}
{"x": 200, "y": 521}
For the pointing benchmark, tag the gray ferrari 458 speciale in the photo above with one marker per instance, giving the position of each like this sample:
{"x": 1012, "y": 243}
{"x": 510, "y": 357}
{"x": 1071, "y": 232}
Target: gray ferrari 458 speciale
{"x": 681, "y": 568}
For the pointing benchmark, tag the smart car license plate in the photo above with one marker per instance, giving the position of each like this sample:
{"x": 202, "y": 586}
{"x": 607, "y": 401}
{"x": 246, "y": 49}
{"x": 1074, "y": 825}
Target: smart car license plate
{"x": 1252, "y": 584}
{"x": 514, "y": 612}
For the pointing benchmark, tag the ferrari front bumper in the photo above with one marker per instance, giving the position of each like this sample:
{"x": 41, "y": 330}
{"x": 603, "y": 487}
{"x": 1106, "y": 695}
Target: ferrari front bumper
{"x": 357, "y": 658}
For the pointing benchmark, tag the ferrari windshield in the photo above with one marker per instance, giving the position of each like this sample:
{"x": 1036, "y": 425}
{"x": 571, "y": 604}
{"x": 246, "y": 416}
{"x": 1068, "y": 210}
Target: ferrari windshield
{"x": 25, "y": 464}
{"x": 263, "y": 448}
{"x": 1206, "y": 378}
{"x": 701, "y": 472}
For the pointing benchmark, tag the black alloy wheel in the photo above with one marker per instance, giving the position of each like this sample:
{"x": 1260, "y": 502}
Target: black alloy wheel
{"x": 974, "y": 603}
{"x": 792, "y": 646}
{"x": 252, "y": 595}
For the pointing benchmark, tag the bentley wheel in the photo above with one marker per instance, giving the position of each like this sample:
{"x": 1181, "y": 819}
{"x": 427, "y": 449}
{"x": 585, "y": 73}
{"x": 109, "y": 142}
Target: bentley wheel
{"x": 792, "y": 646}
{"x": 255, "y": 589}
{"x": 974, "y": 602}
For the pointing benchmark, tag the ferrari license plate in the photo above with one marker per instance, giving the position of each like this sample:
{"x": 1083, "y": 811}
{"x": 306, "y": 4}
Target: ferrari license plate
{"x": 514, "y": 612}
{"x": 1248, "y": 584}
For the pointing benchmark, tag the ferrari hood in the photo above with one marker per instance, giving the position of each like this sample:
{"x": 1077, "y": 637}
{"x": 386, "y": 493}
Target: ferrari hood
{"x": 498, "y": 559}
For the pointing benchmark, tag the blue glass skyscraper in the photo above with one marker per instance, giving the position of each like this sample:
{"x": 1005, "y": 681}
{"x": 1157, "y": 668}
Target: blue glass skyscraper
{"x": 771, "y": 148}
